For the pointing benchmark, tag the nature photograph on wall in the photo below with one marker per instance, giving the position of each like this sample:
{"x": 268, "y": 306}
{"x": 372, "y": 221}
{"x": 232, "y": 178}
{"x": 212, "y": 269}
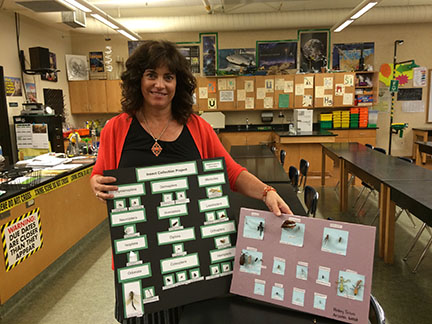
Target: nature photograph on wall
{"x": 313, "y": 50}
{"x": 236, "y": 61}
{"x": 277, "y": 57}
{"x": 353, "y": 57}
{"x": 209, "y": 44}
{"x": 192, "y": 55}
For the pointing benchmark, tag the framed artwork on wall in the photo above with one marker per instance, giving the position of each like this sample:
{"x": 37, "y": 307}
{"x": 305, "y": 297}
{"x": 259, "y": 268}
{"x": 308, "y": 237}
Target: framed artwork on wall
{"x": 314, "y": 50}
{"x": 236, "y": 61}
{"x": 353, "y": 57}
{"x": 209, "y": 43}
{"x": 276, "y": 57}
{"x": 77, "y": 67}
{"x": 192, "y": 54}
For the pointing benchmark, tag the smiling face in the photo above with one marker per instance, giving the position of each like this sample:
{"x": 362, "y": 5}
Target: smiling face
{"x": 158, "y": 87}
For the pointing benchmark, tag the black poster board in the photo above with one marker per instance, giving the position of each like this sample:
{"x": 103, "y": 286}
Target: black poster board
{"x": 173, "y": 236}
{"x": 409, "y": 94}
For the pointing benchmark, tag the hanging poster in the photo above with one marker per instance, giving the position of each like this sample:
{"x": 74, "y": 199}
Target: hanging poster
{"x": 237, "y": 61}
{"x": 313, "y": 50}
{"x": 51, "y": 76}
{"x": 13, "y": 86}
{"x": 210, "y": 49}
{"x": 192, "y": 55}
{"x": 31, "y": 92}
{"x": 353, "y": 57}
{"x": 132, "y": 45}
{"x": 173, "y": 234}
{"x": 77, "y": 67}
{"x": 277, "y": 57}
{"x": 96, "y": 61}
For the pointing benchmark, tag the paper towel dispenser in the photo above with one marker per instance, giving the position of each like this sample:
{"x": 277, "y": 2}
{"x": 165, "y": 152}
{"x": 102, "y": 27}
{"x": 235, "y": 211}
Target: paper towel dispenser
{"x": 267, "y": 117}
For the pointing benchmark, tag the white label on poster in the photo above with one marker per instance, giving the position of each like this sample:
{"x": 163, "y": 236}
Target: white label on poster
{"x": 129, "y": 190}
{"x": 214, "y": 203}
{"x": 250, "y": 103}
{"x": 231, "y": 84}
{"x": 171, "y": 237}
{"x": 420, "y": 76}
{"x": 211, "y": 179}
{"x": 224, "y": 254}
{"x": 268, "y": 102}
{"x": 261, "y": 93}
{"x": 349, "y": 80}
{"x": 279, "y": 84}
{"x": 170, "y": 211}
{"x": 241, "y": 95}
{"x": 339, "y": 89}
{"x": 129, "y": 217}
{"x": 269, "y": 85}
{"x": 170, "y": 185}
{"x": 212, "y": 165}
{"x": 307, "y": 101}
{"x": 166, "y": 171}
{"x": 328, "y": 100}
{"x": 218, "y": 229}
{"x": 222, "y": 84}
{"x": 308, "y": 82}
{"x": 299, "y": 89}
{"x": 184, "y": 262}
{"x": 249, "y": 85}
{"x": 141, "y": 271}
{"x": 133, "y": 308}
{"x": 319, "y": 92}
{"x": 211, "y": 103}
{"x": 348, "y": 99}
{"x": 413, "y": 106}
{"x": 136, "y": 243}
{"x": 22, "y": 237}
{"x": 226, "y": 96}
{"x": 203, "y": 93}
{"x": 288, "y": 86}
{"x": 328, "y": 83}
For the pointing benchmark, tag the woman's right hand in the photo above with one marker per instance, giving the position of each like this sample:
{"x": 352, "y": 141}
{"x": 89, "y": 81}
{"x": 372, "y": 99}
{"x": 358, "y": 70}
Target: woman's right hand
{"x": 101, "y": 186}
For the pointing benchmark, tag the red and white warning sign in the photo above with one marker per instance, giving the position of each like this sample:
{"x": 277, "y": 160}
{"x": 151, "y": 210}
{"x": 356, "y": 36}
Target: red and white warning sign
{"x": 21, "y": 238}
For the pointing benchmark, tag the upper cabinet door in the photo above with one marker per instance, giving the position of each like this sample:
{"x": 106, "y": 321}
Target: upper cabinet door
{"x": 96, "y": 92}
{"x": 113, "y": 96}
{"x": 78, "y": 97}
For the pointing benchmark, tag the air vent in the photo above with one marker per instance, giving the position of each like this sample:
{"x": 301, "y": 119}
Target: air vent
{"x": 74, "y": 19}
{"x": 44, "y": 6}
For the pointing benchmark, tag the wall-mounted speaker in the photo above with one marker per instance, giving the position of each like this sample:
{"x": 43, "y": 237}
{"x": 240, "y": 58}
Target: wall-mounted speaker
{"x": 39, "y": 58}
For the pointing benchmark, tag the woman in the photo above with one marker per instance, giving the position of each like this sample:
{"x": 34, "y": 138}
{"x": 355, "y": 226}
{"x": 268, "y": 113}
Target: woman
{"x": 158, "y": 126}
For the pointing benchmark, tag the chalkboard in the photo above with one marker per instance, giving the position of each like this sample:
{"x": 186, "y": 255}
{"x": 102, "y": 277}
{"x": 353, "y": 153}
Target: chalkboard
{"x": 409, "y": 94}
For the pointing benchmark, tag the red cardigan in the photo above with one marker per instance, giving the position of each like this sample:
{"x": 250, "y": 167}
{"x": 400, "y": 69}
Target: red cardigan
{"x": 114, "y": 134}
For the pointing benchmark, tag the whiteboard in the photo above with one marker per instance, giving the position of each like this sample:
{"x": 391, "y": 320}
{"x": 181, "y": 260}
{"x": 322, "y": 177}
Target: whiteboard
{"x": 429, "y": 99}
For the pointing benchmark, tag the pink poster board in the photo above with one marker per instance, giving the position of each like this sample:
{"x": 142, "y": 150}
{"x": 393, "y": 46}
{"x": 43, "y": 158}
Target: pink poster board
{"x": 312, "y": 265}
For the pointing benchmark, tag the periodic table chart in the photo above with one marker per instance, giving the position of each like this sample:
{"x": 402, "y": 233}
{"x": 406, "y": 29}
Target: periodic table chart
{"x": 173, "y": 235}
{"x": 317, "y": 266}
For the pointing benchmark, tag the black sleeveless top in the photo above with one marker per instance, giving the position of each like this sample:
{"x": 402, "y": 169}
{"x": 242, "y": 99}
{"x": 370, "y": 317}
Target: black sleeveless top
{"x": 138, "y": 143}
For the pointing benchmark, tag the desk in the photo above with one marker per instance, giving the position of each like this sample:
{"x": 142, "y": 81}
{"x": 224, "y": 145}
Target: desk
{"x": 246, "y": 151}
{"x": 423, "y": 148}
{"x": 420, "y": 134}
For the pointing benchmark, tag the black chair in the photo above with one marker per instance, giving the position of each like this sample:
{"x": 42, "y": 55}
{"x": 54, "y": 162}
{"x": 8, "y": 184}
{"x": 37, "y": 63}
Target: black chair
{"x": 376, "y": 312}
{"x": 416, "y": 238}
{"x": 311, "y": 200}
{"x": 369, "y": 146}
{"x": 381, "y": 150}
{"x": 282, "y": 156}
{"x": 273, "y": 149}
{"x": 304, "y": 167}
{"x": 294, "y": 175}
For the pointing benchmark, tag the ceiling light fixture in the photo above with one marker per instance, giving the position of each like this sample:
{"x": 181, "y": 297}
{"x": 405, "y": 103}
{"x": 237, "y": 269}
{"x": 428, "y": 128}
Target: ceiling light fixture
{"x": 104, "y": 21}
{"x": 357, "y": 12}
{"x": 126, "y": 34}
{"x": 77, "y": 5}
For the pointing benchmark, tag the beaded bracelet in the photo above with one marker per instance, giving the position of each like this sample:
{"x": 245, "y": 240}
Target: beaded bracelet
{"x": 267, "y": 189}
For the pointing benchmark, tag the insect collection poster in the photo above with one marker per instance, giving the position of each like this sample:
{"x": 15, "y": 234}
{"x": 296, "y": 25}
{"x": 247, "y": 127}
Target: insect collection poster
{"x": 172, "y": 235}
{"x": 312, "y": 265}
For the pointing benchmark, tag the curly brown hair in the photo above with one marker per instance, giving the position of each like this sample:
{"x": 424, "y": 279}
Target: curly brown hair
{"x": 151, "y": 55}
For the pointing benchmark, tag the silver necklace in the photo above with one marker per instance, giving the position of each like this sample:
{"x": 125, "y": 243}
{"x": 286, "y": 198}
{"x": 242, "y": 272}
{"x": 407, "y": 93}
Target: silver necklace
{"x": 156, "y": 148}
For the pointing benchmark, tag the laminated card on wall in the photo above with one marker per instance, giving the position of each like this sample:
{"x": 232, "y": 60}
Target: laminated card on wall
{"x": 312, "y": 265}
{"x": 173, "y": 235}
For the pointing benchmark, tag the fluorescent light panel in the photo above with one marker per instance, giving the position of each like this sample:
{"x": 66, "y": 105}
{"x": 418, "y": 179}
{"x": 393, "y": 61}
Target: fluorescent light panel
{"x": 345, "y": 24}
{"x": 77, "y": 5}
{"x": 105, "y": 21}
{"x": 359, "y": 13}
{"x": 125, "y": 33}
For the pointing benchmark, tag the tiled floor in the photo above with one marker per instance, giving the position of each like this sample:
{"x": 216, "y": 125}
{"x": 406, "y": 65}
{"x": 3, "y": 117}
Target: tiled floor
{"x": 78, "y": 288}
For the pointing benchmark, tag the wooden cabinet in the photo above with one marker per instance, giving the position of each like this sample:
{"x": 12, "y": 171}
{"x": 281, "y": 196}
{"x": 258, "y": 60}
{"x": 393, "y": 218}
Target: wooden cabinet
{"x": 229, "y": 139}
{"x": 95, "y": 96}
{"x": 362, "y": 136}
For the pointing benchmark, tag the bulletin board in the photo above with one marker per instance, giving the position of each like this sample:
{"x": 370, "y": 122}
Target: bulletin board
{"x": 246, "y": 92}
{"x": 207, "y": 93}
{"x": 344, "y": 89}
{"x": 284, "y": 91}
{"x": 264, "y": 91}
{"x": 312, "y": 265}
{"x": 304, "y": 91}
{"x": 429, "y": 101}
{"x": 172, "y": 234}
{"x": 227, "y": 94}
{"x": 324, "y": 89}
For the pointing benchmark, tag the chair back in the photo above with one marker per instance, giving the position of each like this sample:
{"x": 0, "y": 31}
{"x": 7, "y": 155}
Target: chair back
{"x": 304, "y": 167}
{"x": 311, "y": 200}
{"x": 405, "y": 159}
{"x": 369, "y": 146}
{"x": 294, "y": 174}
{"x": 282, "y": 156}
{"x": 376, "y": 312}
{"x": 379, "y": 149}
{"x": 273, "y": 149}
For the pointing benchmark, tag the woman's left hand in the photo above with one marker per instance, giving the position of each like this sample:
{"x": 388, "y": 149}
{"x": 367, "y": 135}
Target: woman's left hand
{"x": 276, "y": 204}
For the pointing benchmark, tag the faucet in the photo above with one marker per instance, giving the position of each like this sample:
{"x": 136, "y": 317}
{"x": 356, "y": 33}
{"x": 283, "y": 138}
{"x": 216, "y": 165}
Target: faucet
{"x": 247, "y": 123}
